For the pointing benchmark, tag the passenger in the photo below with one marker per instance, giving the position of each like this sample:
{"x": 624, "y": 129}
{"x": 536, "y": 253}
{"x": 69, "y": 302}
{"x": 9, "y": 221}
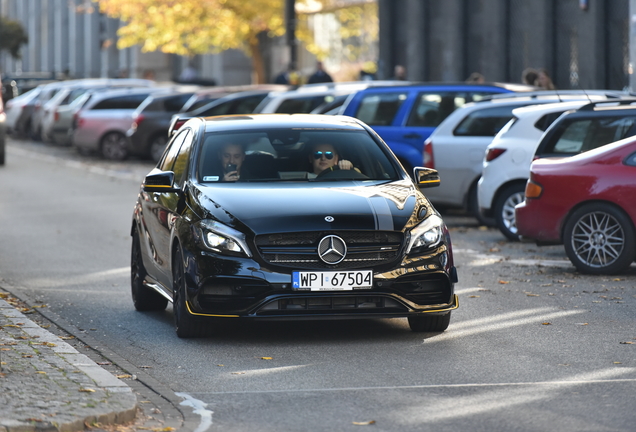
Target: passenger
{"x": 325, "y": 157}
{"x": 232, "y": 157}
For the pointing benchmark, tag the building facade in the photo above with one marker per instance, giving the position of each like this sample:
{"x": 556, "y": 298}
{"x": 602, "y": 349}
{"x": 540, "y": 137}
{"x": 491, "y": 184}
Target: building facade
{"x": 582, "y": 43}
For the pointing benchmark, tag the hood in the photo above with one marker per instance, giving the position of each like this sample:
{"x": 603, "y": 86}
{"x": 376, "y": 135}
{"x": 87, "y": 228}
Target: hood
{"x": 277, "y": 207}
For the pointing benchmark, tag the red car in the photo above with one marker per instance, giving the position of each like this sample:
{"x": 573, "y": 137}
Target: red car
{"x": 587, "y": 203}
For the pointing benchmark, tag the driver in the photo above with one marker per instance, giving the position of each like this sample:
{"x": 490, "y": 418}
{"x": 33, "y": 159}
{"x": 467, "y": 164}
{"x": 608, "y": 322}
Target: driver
{"x": 325, "y": 157}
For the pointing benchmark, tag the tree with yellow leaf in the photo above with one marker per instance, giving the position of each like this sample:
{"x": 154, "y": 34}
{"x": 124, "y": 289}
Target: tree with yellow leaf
{"x": 190, "y": 27}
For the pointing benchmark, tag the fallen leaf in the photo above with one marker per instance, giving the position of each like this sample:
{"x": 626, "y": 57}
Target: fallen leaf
{"x": 627, "y": 343}
{"x": 27, "y": 356}
{"x": 617, "y": 279}
{"x": 266, "y": 358}
{"x": 5, "y": 349}
{"x": 581, "y": 323}
{"x": 87, "y": 390}
{"x": 41, "y": 372}
{"x": 618, "y": 363}
{"x": 367, "y": 423}
{"x": 220, "y": 365}
{"x": 146, "y": 367}
{"x": 503, "y": 282}
{"x": 546, "y": 323}
{"x": 46, "y": 326}
{"x": 546, "y": 285}
{"x": 106, "y": 363}
{"x": 49, "y": 344}
{"x": 494, "y": 249}
{"x": 40, "y": 306}
{"x": 483, "y": 228}
{"x": 123, "y": 376}
{"x": 473, "y": 296}
{"x": 68, "y": 338}
{"x": 166, "y": 429}
{"x": 532, "y": 295}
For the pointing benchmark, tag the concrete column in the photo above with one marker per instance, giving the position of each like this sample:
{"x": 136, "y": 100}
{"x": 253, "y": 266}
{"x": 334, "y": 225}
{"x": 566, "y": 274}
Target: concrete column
{"x": 387, "y": 20}
{"x": 416, "y": 49}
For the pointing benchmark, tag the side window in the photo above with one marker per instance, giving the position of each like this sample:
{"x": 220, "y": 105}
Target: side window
{"x": 300, "y": 105}
{"x": 380, "y": 109}
{"x": 110, "y": 103}
{"x": 484, "y": 122}
{"x": 169, "y": 157}
{"x": 430, "y": 109}
{"x": 181, "y": 162}
{"x": 544, "y": 122}
{"x": 175, "y": 103}
{"x": 571, "y": 139}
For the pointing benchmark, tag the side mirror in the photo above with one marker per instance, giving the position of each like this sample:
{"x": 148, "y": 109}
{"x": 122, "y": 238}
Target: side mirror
{"x": 159, "y": 181}
{"x": 426, "y": 177}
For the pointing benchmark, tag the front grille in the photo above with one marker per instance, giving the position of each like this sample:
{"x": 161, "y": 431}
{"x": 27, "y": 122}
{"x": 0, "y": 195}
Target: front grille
{"x": 300, "y": 250}
{"x": 350, "y": 305}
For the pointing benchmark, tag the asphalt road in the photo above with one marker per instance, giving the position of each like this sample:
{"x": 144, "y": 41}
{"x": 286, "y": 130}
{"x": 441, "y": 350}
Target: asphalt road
{"x": 534, "y": 346}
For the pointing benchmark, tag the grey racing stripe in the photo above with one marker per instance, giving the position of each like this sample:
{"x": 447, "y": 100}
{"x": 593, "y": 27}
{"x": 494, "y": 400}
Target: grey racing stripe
{"x": 382, "y": 213}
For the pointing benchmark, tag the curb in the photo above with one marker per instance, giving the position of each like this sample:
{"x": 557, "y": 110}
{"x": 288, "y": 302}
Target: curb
{"x": 47, "y": 385}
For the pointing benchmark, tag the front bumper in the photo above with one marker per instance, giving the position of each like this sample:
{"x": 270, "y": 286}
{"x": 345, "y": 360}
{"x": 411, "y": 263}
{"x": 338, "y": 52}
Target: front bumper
{"x": 221, "y": 286}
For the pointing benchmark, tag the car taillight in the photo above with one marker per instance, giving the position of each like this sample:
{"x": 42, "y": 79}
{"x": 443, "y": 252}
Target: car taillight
{"x": 429, "y": 160}
{"x": 494, "y": 153}
{"x": 533, "y": 190}
{"x": 77, "y": 120}
{"x": 56, "y": 116}
{"x": 137, "y": 121}
{"x": 178, "y": 124}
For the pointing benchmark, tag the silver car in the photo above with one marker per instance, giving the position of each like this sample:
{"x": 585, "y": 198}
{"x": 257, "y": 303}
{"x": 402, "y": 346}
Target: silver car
{"x": 101, "y": 124}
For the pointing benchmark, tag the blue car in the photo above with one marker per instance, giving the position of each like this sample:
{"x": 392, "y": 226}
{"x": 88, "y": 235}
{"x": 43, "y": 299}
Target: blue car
{"x": 404, "y": 116}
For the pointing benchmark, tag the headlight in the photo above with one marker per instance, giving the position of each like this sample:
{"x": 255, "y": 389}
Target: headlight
{"x": 426, "y": 235}
{"x": 220, "y": 238}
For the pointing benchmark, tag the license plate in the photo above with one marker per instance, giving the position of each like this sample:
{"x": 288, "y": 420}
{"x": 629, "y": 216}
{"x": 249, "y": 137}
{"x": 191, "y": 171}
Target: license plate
{"x": 332, "y": 280}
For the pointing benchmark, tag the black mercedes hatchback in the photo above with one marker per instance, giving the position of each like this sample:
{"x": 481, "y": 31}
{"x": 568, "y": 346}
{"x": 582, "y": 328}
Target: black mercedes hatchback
{"x": 288, "y": 217}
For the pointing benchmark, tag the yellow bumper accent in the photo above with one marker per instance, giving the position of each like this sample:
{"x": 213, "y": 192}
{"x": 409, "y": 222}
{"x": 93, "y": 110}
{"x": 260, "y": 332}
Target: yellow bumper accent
{"x": 208, "y": 315}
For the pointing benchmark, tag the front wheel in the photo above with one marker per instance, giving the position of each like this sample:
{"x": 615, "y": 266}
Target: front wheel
{"x": 429, "y": 323}
{"x": 504, "y": 210}
{"x": 114, "y": 146}
{"x": 144, "y": 298}
{"x": 186, "y": 325}
{"x": 600, "y": 239}
{"x": 156, "y": 147}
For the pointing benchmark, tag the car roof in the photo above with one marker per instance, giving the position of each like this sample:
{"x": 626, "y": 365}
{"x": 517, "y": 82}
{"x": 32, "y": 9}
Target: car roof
{"x": 547, "y": 108}
{"x": 245, "y": 122}
{"x": 512, "y": 87}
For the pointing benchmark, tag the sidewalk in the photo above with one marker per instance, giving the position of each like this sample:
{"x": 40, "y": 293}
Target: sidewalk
{"x": 47, "y": 385}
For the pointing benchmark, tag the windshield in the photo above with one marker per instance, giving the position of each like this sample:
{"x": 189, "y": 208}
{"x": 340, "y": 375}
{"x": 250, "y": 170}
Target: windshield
{"x": 292, "y": 155}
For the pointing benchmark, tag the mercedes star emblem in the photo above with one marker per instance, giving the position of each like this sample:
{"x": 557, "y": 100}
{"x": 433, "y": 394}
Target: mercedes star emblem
{"x": 332, "y": 249}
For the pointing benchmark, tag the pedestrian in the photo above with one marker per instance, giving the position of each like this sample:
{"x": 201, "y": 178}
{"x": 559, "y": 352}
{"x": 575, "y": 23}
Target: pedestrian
{"x": 320, "y": 76}
{"x": 284, "y": 77}
{"x": 476, "y": 78}
{"x": 529, "y": 76}
{"x": 399, "y": 73}
{"x": 544, "y": 81}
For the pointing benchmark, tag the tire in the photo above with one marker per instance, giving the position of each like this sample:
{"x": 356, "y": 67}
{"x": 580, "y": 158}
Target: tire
{"x": 114, "y": 146}
{"x": 156, "y": 147}
{"x": 429, "y": 323}
{"x": 473, "y": 208}
{"x": 144, "y": 298}
{"x": 504, "y": 210}
{"x": 599, "y": 239}
{"x": 186, "y": 325}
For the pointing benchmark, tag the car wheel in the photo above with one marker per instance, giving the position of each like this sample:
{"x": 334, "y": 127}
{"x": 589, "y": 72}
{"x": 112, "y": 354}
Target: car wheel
{"x": 114, "y": 146}
{"x": 504, "y": 210}
{"x": 429, "y": 323}
{"x": 157, "y": 146}
{"x": 144, "y": 298}
{"x": 473, "y": 208}
{"x": 186, "y": 325}
{"x": 600, "y": 239}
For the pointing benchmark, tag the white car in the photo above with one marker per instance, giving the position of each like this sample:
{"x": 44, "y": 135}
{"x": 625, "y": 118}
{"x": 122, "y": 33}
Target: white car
{"x": 457, "y": 146}
{"x": 506, "y": 164}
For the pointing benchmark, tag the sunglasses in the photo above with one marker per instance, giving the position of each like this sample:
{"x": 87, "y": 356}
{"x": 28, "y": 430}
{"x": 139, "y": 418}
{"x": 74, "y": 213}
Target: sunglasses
{"x": 328, "y": 155}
